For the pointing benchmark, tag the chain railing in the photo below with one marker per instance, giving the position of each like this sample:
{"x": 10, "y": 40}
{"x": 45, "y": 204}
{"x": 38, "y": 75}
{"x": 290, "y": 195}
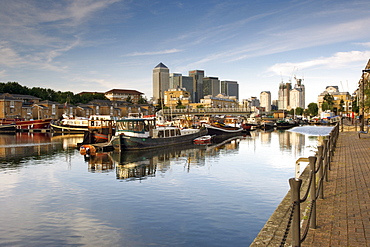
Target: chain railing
{"x": 320, "y": 165}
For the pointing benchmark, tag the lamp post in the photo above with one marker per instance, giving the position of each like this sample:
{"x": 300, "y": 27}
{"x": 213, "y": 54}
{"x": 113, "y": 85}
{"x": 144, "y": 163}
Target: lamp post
{"x": 363, "y": 98}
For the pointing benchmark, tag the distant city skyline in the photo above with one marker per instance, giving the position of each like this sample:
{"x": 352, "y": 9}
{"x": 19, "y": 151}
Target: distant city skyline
{"x": 99, "y": 45}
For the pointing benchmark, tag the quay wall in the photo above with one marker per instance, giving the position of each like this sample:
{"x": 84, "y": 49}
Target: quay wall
{"x": 272, "y": 233}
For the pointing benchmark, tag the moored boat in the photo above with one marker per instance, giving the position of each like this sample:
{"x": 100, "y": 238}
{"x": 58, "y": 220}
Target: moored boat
{"x": 22, "y": 124}
{"x": 267, "y": 125}
{"x": 70, "y": 125}
{"x": 101, "y": 128}
{"x": 218, "y": 128}
{"x": 203, "y": 140}
{"x": 7, "y": 128}
{"x": 143, "y": 133}
{"x": 283, "y": 124}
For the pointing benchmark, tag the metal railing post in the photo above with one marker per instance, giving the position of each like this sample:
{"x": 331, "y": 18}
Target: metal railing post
{"x": 326, "y": 159}
{"x": 321, "y": 170}
{"x": 295, "y": 186}
{"x": 330, "y": 149}
{"x": 312, "y": 160}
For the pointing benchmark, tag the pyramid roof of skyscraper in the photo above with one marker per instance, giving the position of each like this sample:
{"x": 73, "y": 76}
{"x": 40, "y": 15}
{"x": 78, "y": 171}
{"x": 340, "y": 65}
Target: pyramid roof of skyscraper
{"x": 161, "y": 65}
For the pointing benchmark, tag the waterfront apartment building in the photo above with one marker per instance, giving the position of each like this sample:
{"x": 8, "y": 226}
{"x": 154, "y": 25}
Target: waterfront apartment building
{"x": 219, "y": 101}
{"x": 123, "y": 95}
{"x": 161, "y": 81}
{"x": 342, "y": 100}
{"x": 30, "y": 107}
{"x": 173, "y": 96}
{"x": 265, "y": 100}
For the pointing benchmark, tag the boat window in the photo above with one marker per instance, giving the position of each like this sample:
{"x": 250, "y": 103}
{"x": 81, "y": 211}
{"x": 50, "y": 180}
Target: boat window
{"x": 178, "y": 132}
{"x": 173, "y": 132}
{"x": 160, "y": 133}
{"x": 167, "y": 133}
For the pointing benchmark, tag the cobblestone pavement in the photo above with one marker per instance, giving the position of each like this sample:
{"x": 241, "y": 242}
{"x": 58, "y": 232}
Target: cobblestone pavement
{"x": 343, "y": 216}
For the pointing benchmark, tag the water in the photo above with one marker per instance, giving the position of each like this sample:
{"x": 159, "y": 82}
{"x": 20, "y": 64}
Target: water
{"x": 51, "y": 195}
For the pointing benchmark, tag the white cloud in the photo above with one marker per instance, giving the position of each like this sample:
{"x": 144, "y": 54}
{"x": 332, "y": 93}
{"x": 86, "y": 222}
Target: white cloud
{"x": 2, "y": 73}
{"x": 364, "y": 44}
{"x": 8, "y": 56}
{"x": 338, "y": 60}
{"x": 150, "y": 53}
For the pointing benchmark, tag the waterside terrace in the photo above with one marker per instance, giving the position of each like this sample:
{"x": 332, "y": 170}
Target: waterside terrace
{"x": 342, "y": 215}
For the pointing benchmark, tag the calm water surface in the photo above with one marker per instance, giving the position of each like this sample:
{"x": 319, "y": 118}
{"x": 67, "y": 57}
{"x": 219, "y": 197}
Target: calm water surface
{"x": 221, "y": 195}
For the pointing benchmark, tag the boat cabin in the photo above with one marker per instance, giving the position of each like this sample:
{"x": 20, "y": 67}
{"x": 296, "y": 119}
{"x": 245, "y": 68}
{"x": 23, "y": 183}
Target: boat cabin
{"x": 135, "y": 125}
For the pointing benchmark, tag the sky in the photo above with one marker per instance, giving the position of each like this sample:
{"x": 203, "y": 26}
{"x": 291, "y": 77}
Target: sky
{"x": 99, "y": 45}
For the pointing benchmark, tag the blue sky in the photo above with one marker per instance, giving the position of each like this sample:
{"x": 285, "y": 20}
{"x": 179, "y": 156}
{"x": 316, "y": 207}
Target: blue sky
{"x": 98, "y": 45}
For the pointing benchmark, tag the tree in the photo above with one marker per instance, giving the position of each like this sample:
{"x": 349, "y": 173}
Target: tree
{"x": 128, "y": 99}
{"x": 328, "y": 102}
{"x": 142, "y": 100}
{"x": 299, "y": 111}
{"x": 312, "y": 109}
{"x": 13, "y": 88}
{"x": 341, "y": 106}
{"x": 180, "y": 105}
{"x": 355, "y": 107}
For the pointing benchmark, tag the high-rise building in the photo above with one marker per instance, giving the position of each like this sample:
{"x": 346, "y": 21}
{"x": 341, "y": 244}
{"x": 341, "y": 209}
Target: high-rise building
{"x": 283, "y": 95}
{"x": 230, "y": 88}
{"x": 297, "y": 95}
{"x": 211, "y": 86}
{"x": 180, "y": 81}
{"x": 197, "y": 76}
{"x": 161, "y": 81}
{"x": 291, "y": 98}
{"x": 265, "y": 100}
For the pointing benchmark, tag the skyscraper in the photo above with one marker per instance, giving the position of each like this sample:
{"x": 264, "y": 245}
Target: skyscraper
{"x": 179, "y": 81}
{"x": 211, "y": 86}
{"x": 198, "y": 76}
{"x": 230, "y": 88}
{"x": 283, "y": 95}
{"x": 265, "y": 100}
{"x": 161, "y": 81}
{"x": 297, "y": 95}
{"x": 291, "y": 98}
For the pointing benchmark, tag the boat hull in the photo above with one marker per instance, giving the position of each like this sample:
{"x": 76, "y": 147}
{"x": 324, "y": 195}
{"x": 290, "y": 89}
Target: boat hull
{"x": 21, "y": 124}
{"x": 225, "y": 131}
{"x": 123, "y": 142}
{"x": 33, "y": 124}
{"x": 203, "y": 140}
{"x": 8, "y": 128}
{"x": 68, "y": 129}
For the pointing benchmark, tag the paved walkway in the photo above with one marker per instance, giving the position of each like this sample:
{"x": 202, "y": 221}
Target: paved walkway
{"x": 343, "y": 216}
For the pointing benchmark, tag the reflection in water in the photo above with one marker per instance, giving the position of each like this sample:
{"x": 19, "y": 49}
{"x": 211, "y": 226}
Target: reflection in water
{"x": 20, "y": 147}
{"x": 217, "y": 195}
{"x": 101, "y": 162}
{"x": 139, "y": 164}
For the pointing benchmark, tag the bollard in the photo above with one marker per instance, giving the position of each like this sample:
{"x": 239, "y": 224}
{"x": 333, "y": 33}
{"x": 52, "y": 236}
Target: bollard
{"x": 320, "y": 173}
{"x": 295, "y": 187}
{"x": 312, "y": 160}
